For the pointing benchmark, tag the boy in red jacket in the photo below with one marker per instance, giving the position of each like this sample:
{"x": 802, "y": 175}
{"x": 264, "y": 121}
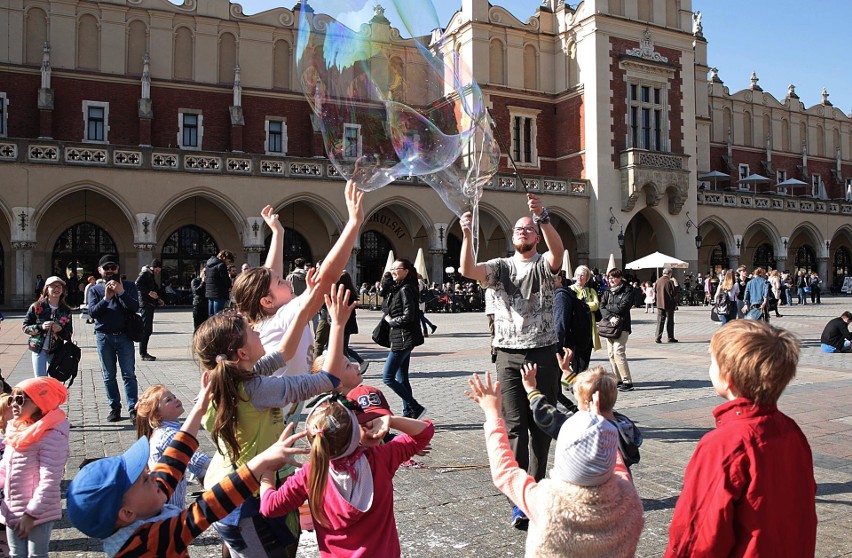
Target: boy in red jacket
{"x": 749, "y": 489}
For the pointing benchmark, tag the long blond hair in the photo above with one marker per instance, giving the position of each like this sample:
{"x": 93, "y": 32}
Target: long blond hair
{"x": 216, "y": 343}
{"x": 330, "y": 429}
{"x": 148, "y": 411}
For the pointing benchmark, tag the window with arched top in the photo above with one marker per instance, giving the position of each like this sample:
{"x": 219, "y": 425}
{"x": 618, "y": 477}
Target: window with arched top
{"x": 727, "y": 119}
{"x": 803, "y": 136}
{"x": 785, "y": 135}
{"x": 373, "y": 256}
{"x": 227, "y": 57}
{"x": 183, "y": 53}
{"x": 748, "y": 130}
{"x": 76, "y": 253}
{"x": 496, "y": 62}
{"x": 719, "y": 258}
{"x": 530, "y": 67}
{"x": 88, "y": 42}
{"x": 835, "y": 142}
{"x": 183, "y": 253}
{"x": 137, "y": 46}
{"x": 281, "y": 62}
{"x": 766, "y": 133}
{"x": 820, "y": 142}
{"x": 805, "y": 259}
{"x": 764, "y": 256}
{"x": 35, "y": 35}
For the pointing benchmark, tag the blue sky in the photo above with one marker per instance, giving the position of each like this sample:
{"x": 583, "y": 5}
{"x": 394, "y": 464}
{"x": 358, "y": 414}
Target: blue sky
{"x": 783, "y": 41}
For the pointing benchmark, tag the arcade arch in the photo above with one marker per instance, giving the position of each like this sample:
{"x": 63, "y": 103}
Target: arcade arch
{"x": 646, "y": 233}
{"x": 183, "y": 252}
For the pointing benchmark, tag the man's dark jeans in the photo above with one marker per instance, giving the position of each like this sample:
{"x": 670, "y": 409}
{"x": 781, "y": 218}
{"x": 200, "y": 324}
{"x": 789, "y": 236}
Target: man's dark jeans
{"x": 112, "y": 348}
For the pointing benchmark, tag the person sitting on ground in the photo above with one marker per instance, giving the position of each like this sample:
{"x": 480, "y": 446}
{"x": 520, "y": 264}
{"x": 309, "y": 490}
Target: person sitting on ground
{"x": 588, "y": 507}
{"x": 836, "y": 337}
{"x": 739, "y": 497}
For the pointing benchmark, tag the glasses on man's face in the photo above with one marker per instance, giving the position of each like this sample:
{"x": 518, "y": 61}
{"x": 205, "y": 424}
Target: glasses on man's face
{"x": 17, "y": 400}
{"x": 110, "y": 267}
{"x": 521, "y": 230}
{"x": 397, "y": 268}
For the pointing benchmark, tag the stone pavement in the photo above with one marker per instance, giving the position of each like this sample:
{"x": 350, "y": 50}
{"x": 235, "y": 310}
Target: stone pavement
{"x": 450, "y": 507}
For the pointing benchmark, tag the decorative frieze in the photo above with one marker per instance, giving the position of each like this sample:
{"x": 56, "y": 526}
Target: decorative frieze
{"x": 43, "y": 153}
{"x": 332, "y": 172}
{"x": 532, "y": 184}
{"x": 127, "y": 158}
{"x": 305, "y": 169}
{"x": 240, "y": 166}
{"x": 555, "y": 185}
{"x": 86, "y": 155}
{"x": 8, "y": 151}
{"x": 506, "y": 183}
{"x": 203, "y": 163}
{"x": 273, "y": 167}
{"x": 164, "y": 161}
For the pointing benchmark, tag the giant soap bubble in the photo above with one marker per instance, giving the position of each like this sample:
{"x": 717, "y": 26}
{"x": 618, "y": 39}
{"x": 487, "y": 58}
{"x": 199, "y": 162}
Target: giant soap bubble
{"x": 390, "y": 107}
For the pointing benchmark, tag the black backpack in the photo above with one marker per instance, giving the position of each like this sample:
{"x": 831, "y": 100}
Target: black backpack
{"x": 65, "y": 363}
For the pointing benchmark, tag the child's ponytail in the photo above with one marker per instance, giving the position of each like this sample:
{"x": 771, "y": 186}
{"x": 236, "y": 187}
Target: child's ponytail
{"x": 216, "y": 343}
{"x": 330, "y": 426}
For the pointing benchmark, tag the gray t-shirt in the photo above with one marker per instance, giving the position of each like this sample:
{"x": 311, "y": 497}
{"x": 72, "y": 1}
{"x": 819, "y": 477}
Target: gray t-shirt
{"x": 523, "y": 302}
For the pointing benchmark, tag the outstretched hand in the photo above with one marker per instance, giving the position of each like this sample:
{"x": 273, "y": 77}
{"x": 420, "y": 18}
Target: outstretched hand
{"x": 528, "y": 376}
{"x": 466, "y": 223}
{"x": 282, "y": 452}
{"x": 486, "y": 395}
{"x": 354, "y": 202}
{"x": 337, "y": 302}
{"x": 271, "y": 218}
{"x": 534, "y": 203}
{"x": 568, "y": 375}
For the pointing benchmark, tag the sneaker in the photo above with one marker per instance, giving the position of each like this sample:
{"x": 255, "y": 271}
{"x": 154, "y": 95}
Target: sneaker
{"x": 133, "y": 416}
{"x": 520, "y": 520}
{"x": 625, "y": 387}
{"x": 363, "y": 367}
{"x": 673, "y": 340}
{"x": 434, "y": 327}
{"x": 114, "y": 415}
{"x": 418, "y": 412}
{"x": 148, "y": 357}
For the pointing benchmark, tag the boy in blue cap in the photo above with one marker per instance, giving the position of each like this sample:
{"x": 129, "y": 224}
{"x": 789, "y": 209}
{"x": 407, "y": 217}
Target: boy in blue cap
{"x": 121, "y": 502}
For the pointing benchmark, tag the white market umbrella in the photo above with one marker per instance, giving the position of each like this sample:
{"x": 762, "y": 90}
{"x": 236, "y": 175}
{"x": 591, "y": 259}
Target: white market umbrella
{"x": 789, "y": 183}
{"x": 755, "y": 179}
{"x": 566, "y": 264}
{"x": 391, "y": 259}
{"x": 657, "y": 260}
{"x": 420, "y": 265}
{"x": 611, "y": 264}
{"x": 714, "y": 177}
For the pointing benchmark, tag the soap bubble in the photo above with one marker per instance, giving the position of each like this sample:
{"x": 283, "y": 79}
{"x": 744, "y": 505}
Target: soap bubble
{"x": 390, "y": 107}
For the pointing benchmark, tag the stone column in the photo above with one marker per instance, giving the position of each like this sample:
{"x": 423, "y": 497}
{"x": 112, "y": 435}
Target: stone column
{"x": 781, "y": 264}
{"x": 437, "y": 272}
{"x": 253, "y": 255}
{"x": 437, "y": 249}
{"x": 144, "y": 255}
{"x": 352, "y": 267}
{"x": 24, "y": 274}
{"x": 822, "y": 270}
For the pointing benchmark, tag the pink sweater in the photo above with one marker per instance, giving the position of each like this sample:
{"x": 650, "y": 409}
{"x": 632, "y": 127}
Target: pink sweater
{"x": 31, "y": 478}
{"x": 353, "y": 533}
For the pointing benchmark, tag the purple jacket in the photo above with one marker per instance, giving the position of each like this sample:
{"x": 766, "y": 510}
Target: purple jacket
{"x": 31, "y": 478}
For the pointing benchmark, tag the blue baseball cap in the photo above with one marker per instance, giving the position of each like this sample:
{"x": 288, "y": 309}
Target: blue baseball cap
{"x": 95, "y": 494}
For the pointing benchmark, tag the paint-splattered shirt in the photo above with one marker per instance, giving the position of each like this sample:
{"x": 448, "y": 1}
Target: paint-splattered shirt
{"x": 523, "y": 302}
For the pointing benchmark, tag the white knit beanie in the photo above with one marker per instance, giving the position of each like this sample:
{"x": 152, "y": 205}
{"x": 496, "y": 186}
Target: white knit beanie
{"x": 585, "y": 450}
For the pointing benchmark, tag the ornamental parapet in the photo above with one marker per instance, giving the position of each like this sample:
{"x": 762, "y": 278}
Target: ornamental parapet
{"x": 774, "y": 202}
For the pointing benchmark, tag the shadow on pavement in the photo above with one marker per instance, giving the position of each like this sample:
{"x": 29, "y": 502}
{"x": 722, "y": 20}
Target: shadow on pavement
{"x": 674, "y": 434}
{"x": 661, "y": 504}
{"x": 674, "y": 384}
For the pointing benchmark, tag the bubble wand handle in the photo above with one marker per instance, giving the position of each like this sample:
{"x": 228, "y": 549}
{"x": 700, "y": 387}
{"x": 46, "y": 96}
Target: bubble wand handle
{"x": 506, "y": 150}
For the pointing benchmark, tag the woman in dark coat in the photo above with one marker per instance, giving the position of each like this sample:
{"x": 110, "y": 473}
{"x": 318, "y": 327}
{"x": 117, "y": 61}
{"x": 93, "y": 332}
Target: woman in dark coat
{"x": 218, "y": 282}
{"x": 402, "y": 312}
{"x": 615, "y": 306}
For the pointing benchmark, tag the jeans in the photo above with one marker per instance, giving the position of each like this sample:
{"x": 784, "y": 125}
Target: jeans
{"x": 349, "y": 351}
{"x": 424, "y": 321}
{"x": 395, "y": 376}
{"x": 731, "y": 315}
{"x": 529, "y": 443}
{"x": 616, "y": 350}
{"x": 110, "y": 349}
{"x": 41, "y": 360}
{"x": 803, "y": 299}
{"x": 147, "y": 313}
{"x": 788, "y": 296}
{"x": 665, "y": 317}
{"x": 216, "y": 305}
{"x": 34, "y": 546}
{"x": 815, "y": 295}
{"x": 826, "y": 348}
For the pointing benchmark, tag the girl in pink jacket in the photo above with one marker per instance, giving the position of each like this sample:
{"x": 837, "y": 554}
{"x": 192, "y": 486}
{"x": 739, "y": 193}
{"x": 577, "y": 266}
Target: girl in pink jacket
{"x": 33, "y": 463}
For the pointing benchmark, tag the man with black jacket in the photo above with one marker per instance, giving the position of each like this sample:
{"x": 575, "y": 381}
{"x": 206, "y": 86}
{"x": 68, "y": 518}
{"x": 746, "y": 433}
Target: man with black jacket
{"x": 836, "y": 337}
{"x": 149, "y": 300}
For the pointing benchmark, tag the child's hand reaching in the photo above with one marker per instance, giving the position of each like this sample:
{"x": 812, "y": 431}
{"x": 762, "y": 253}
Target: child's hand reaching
{"x": 354, "y": 202}
{"x": 202, "y": 402}
{"x": 528, "y": 376}
{"x": 279, "y": 453}
{"x": 337, "y": 302}
{"x": 377, "y": 428}
{"x": 486, "y": 395}
{"x": 568, "y": 375}
{"x": 271, "y": 218}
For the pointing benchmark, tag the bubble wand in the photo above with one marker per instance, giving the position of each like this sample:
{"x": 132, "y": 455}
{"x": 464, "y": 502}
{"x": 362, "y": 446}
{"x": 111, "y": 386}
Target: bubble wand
{"x": 505, "y": 150}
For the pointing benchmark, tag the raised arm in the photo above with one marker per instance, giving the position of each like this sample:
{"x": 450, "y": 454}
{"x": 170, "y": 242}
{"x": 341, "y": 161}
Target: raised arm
{"x": 275, "y": 257}
{"x": 339, "y": 310}
{"x": 335, "y": 262}
{"x": 555, "y": 248}
{"x": 468, "y": 266}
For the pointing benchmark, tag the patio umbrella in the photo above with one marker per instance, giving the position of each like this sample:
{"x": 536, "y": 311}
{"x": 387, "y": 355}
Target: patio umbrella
{"x": 714, "y": 177}
{"x": 420, "y": 265}
{"x": 566, "y": 264}
{"x": 656, "y": 261}
{"x": 789, "y": 183}
{"x": 611, "y": 263}
{"x": 391, "y": 259}
{"x": 755, "y": 179}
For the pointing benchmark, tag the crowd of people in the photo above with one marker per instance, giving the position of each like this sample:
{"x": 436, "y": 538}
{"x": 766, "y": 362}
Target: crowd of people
{"x": 263, "y": 363}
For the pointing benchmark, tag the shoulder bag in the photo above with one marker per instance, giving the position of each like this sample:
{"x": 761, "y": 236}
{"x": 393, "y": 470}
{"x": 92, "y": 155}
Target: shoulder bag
{"x": 65, "y": 362}
{"x": 381, "y": 333}
{"x": 133, "y": 326}
{"x": 609, "y": 330}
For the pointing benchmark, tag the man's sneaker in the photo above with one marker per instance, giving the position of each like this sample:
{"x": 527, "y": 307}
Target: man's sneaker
{"x": 133, "y": 416}
{"x": 148, "y": 357}
{"x": 434, "y": 327}
{"x": 114, "y": 415}
{"x": 519, "y": 519}
{"x": 418, "y": 412}
{"x": 625, "y": 387}
{"x": 363, "y": 367}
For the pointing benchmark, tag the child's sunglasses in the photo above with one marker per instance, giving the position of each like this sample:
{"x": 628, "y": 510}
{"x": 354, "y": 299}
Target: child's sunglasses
{"x": 17, "y": 400}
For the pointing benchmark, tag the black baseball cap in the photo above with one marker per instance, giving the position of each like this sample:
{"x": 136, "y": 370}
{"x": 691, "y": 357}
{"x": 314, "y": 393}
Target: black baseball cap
{"x": 108, "y": 259}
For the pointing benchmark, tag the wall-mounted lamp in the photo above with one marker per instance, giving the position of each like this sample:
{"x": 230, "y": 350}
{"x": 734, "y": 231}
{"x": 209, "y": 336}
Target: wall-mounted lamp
{"x": 145, "y": 224}
{"x": 689, "y": 223}
{"x": 621, "y": 238}
{"x": 739, "y": 241}
{"x": 827, "y": 244}
{"x": 255, "y": 228}
{"x": 612, "y": 219}
{"x": 441, "y": 235}
{"x": 786, "y": 241}
{"x": 22, "y": 217}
